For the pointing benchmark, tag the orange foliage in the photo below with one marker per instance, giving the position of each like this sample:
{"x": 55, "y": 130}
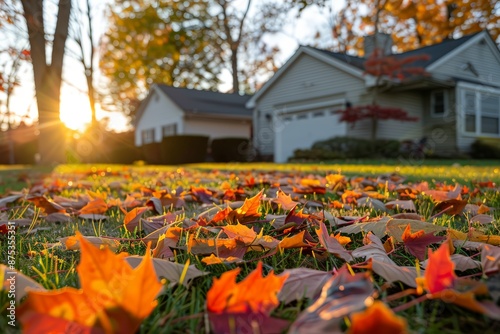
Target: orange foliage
{"x": 439, "y": 273}
{"x": 378, "y": 318}
{"x": 114, "y": 298}
{"x": 254, "y": 294}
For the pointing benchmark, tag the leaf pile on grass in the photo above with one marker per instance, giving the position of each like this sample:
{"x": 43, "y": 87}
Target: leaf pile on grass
{"x": 125, "y": 250}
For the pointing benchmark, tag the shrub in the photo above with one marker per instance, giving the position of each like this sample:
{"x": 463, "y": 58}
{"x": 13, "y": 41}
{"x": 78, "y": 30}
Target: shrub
{"x": 485, "y": 148}
{"x": 349, "y": 148}
{"x": 230, "y": 149}
{"x": 183, "y": 149}
{"x": 152, "y": 153}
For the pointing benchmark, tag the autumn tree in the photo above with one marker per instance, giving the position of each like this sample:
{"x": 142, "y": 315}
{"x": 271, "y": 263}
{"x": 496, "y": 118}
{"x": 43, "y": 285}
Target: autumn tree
{"x": 47, "y": 74}
{"x": 383, "y": 68}
{"x": 413, "y": 23}
{"x": 188, "y": 44}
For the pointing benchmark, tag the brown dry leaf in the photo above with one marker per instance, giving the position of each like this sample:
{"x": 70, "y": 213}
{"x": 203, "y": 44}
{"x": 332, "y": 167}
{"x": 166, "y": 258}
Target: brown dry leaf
{"x": 22, "y": 282}
{"x": 169, "y": 270}
{"x": 371, "y": 203}
{"x": 462, "y": 262}
{"x": 416, "y": 243}
{"x": 302, "y": 283}
{"x": 374, "y": 249}
{"x": 342, "y": 295}
{"x": 72, "y": 242}
{"x": 58, "y": 217}
{"x": 490, "y": 258}
{"x": 408, "y": 215}
{"x": 455, "y": 206}
{"x": 396, "y": 227}
{"x": 482, "y": 219}
{"x": 46, "y": 205}
{"x": 474, "y": 236}
{"x": 401, "y": 205}
{"x": 9, "y": 199}
{"x": 331, "y": 244}
{"x": 376, "y": 227}
{"x": 391, "y": 272}
{"x": 166, "y": 241}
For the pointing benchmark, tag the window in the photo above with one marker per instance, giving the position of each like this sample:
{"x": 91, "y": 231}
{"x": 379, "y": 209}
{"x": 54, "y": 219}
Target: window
{"x": 169, "y": 130}
{"x": 439, "y": 103}
{"x": 481, "y": 112}
{"x": 319, "y": 114}
{"x": 148, "y": 136}
{"x": 490, "y": 114}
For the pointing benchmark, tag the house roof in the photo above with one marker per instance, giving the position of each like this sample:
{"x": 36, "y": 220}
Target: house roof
{"x": 436, "y": 53}
{"x": 203, "y": 102}
{"x": 196, "y": 102}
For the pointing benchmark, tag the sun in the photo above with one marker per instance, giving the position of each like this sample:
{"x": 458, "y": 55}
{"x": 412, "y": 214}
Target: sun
{"x": 75, "y": 109}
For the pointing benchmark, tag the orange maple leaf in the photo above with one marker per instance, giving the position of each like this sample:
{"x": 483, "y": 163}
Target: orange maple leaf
{"x": 97, "y": 206}
{"x": 114, "y": 298}
{"x": 254, "y": 294}
{"x": 284, "y": 200}
{"x": 378, "y": 318}
{"x": 248, "y": 211}
{"x": 440, "y": 270}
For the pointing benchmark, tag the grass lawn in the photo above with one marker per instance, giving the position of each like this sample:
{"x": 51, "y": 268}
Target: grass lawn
{"x": 208, "y": 219}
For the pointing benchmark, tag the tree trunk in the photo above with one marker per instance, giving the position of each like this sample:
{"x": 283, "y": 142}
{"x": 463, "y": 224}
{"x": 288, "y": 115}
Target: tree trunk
{"x": 48, "y": 78}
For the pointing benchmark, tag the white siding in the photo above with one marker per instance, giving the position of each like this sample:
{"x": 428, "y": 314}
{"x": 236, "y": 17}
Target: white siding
{"x": 481, "y": 57}
{"x": 217, "y": 128}
{"x": 411, "y": 102}
{"x": 308, "y": 81}
{"x": 159, "y": 111}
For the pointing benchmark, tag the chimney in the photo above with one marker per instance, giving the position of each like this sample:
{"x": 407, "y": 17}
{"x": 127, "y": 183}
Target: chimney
{"x": 378, "y": 41}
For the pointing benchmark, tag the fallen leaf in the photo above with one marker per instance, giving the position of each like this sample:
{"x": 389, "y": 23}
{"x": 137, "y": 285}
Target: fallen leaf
{"x": 462, "y": 262}
{"x": 474, "y": 236}
{"x": 302, "y": 283}
{"x": 254, "y": 294}
{"x": 407, "y": 205}
{"x": 133, "y": 217}
{"x": 440, "y": 270}
{"x": 46, "y": 205}
{"x": 73, "y": 242}
{"x": 20, "y": 282}
{"x": 113, "y": 297}
{"x": 377, "y": 318}
{"x": 490, "y": 258}
{"x": 331, "y": 244}
{"x": 482, "y": 219}
{"x": 396, "y": 227}
{"x": 453, "y": 206}
{"x": 284, "y": 200}
{"x": 377, "y": 227}
{"x": 97, "y": 206}
{"x": 248, "y": 211}
{"x": 416, "y": 243}
{"x": 342, "y": 295}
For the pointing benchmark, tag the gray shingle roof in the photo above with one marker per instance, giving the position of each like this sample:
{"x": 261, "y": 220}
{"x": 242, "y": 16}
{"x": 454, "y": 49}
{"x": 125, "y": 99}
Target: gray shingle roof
{"x": 434, "y": 52}
{"x": 194, "y": 101}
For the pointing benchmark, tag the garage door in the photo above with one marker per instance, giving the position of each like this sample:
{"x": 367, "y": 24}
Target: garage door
{"x": 299, "y": 130}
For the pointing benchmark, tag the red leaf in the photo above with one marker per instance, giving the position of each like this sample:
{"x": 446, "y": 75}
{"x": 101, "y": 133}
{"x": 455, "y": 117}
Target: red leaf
{"x": 416, "y": 243}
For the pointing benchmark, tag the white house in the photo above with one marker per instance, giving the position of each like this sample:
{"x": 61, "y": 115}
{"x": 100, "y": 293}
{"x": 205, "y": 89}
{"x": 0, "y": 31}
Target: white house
{"x": 457, "y": 102}
{"x": 168, "y": 111}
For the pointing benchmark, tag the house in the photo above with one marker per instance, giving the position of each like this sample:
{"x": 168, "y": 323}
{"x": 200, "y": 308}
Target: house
{"x": 456, "y": 102}
{"x": 168, "y": 111}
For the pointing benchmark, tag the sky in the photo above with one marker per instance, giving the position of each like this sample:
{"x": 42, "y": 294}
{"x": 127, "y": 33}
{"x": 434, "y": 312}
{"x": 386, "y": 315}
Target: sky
{"x": 75, "y": 110}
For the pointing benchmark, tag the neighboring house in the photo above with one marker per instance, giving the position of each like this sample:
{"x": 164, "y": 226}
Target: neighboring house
{"x": 168, "y": 111}
{"x": 457, "y": 102}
